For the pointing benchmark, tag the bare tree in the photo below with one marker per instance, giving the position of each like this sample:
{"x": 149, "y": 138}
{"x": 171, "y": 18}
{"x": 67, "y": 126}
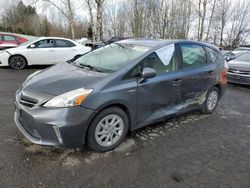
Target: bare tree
{"x": 210, "y": 19}
{"x": 90, "y": 8}
{"x": 65, "y": 8}
{"x": 99, "y": 10}
{"x": 222, "y": 11}
{"x": 240, "y": 20}
{"x": 222, "y": 21}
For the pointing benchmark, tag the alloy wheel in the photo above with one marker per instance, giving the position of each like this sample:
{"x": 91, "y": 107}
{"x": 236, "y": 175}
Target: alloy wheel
{"x": 109, "y": 130}
{"x": 18, "y": 62}
{"x": 212, "y": 100}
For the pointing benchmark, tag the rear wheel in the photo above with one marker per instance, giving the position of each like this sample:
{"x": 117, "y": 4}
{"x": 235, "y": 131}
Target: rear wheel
{"x": 211, "y": 101}
{"x": 108, "y": 129}
{"x": 17, "y": 62}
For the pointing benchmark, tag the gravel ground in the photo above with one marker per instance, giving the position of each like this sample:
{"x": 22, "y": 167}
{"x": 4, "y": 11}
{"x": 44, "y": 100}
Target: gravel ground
{"x": 192, "y": 150}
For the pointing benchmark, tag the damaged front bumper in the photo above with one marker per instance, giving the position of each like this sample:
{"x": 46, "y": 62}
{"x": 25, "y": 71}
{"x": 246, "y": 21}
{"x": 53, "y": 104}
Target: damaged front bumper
{"x": 64, "y": 127}
{"x": 4, "y": 58}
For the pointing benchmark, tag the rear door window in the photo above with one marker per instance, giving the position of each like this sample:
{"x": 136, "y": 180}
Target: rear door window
{"x": 64, "y": 44}
{"x": 211, "y": 54}
{"x": 193, "y": 55}
{"x": 9, "y": 38}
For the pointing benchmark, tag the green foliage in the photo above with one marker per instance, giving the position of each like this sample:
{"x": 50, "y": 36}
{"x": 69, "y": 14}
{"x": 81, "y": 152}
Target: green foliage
{"x": 23, "y": 19}
{"x": 19, "y": 19}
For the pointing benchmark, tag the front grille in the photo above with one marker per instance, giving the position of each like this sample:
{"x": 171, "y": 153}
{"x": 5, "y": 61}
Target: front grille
{"x": 27, "y": 101}
{"x": 242, "y": 72}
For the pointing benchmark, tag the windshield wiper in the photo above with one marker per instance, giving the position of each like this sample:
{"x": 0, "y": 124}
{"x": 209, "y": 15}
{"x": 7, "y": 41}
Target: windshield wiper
{"x": 90, "y": 67}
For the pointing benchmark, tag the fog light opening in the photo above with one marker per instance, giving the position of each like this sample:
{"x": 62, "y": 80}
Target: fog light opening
{"x": 58, "y": 134}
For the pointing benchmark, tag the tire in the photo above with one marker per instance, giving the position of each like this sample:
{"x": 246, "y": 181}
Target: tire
{"x": 17, "y": 62}
{"x": 211, "y": 102}
{"x": 101, "y": 134}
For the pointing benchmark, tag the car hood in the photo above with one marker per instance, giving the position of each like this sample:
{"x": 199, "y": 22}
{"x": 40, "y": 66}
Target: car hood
{"x": 60, "y": 79}
{"x": 239, "y": 65}
{"x": 16, "y": 49}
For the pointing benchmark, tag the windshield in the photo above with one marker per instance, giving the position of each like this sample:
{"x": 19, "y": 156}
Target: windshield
{"x": 28, "y": 42}
{"x": 112, "y": 57}
{"x": 244, "y": 57}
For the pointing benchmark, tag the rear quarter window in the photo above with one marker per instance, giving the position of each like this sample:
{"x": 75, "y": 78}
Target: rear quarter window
{"x": 9, "y": 38}
{"x": 64, "y": 44}
{"x": 212, "y": 55}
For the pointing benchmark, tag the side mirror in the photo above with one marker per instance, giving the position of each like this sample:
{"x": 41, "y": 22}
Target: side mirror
{"x": 32, "y": 46}
{"x": 148, "y": 73}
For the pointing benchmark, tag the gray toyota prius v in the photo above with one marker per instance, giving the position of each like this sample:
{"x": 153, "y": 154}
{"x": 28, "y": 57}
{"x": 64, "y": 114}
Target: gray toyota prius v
{"x": 96, "y": 99}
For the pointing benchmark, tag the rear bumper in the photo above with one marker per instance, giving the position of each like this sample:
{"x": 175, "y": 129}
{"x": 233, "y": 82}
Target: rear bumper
{"x": 238, "y": 78}
{"x": 64, "y": 127}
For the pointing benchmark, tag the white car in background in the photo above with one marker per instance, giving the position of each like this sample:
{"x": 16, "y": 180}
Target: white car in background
{"x": 42, "y": 51}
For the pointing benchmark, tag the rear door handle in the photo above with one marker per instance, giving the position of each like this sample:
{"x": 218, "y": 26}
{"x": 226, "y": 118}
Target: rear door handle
{"x": 176, "y": 82}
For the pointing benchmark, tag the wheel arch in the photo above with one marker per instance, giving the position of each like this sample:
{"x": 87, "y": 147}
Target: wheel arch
{"x": 12, "y": 55}
{"x": 219, "y": 87}
{"x": 119, "y": 105}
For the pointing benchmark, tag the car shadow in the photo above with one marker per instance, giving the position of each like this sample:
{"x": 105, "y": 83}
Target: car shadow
{"x": 28, "y": 68}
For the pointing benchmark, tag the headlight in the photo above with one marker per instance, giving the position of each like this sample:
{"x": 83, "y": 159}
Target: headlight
{"x": 72, "y": 98}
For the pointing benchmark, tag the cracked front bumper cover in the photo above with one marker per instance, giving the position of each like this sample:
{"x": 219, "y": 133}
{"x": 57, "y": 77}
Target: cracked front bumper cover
{"x": 4, "y": 58}
{"x": 64, "y": 127}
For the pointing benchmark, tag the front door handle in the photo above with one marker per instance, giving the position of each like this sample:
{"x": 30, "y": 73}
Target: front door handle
{"x": 211, "y": 73}
{"x": 177, "y": 82}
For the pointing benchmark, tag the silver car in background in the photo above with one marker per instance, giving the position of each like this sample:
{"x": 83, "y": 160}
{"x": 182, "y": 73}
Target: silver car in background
{"x": 239, "y": 69}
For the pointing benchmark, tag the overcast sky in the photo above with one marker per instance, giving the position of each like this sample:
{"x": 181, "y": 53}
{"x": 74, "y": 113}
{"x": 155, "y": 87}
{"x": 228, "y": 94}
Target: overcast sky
{"x": 81, "y": 11}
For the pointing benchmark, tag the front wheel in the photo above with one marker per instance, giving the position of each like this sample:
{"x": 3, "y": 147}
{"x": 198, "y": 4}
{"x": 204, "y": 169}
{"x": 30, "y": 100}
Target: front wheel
{"x": 17, "y": 62}
{"x": 108, "y": 129}
{"x": 211, "y": 101}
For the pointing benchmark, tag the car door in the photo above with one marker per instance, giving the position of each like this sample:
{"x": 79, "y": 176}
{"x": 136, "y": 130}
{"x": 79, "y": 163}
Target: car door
{"x": 41, "y": 52}
{"x": 65, "y": 50}
{"x": 159, "y": 96}
{"x": 198, "y": 74}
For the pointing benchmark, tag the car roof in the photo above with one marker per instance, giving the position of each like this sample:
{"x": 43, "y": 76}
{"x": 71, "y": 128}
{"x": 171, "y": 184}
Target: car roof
{"x": 59, "y": 38}
{"x": 156, "y": 43}
{"x": 41, "y": 38}
{"x": 28, "y": 37}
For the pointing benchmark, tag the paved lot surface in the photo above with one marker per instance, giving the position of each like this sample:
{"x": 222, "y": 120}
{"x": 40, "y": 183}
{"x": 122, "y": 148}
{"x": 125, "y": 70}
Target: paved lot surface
{"x": 192, "y": 150}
